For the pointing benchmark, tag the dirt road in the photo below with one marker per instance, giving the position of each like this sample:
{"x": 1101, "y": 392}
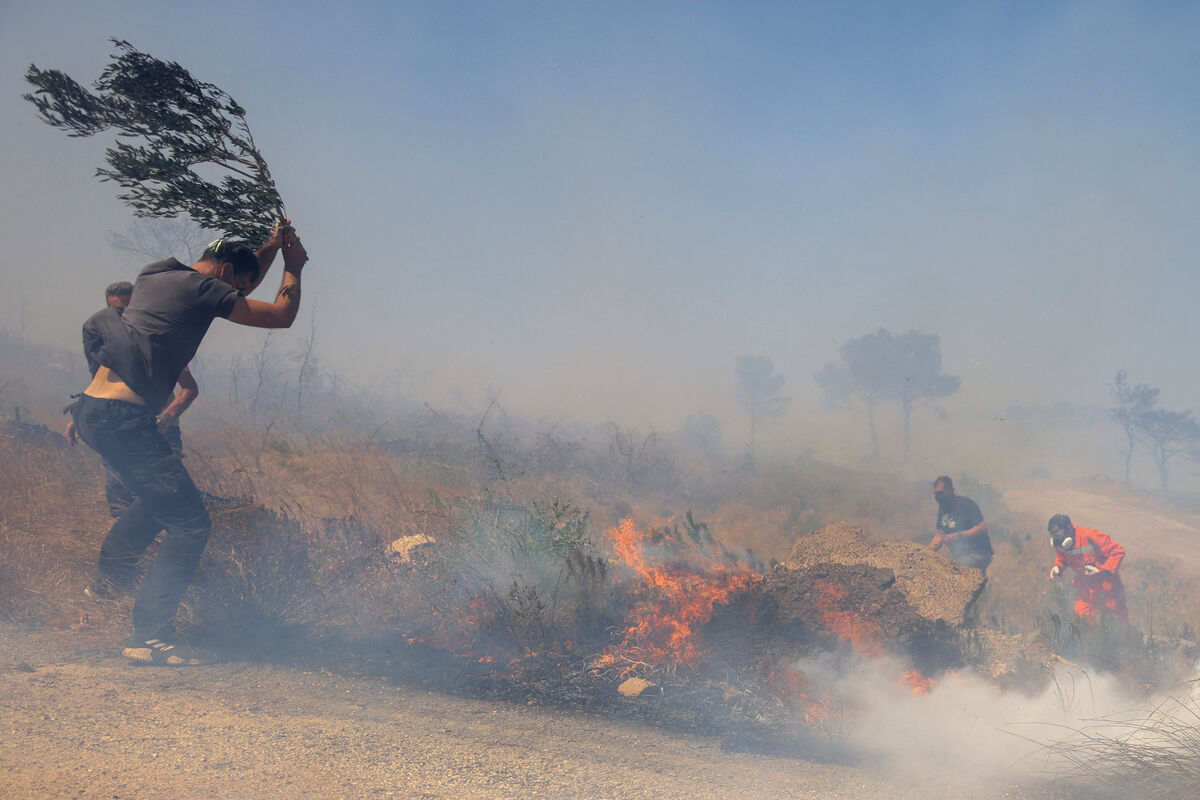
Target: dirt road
{"x": 78, "y": 722}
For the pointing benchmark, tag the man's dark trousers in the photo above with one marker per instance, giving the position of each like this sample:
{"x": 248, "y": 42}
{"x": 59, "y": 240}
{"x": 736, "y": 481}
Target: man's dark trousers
{"x": 117, "y": 494}
{"x": 126, "y": 436}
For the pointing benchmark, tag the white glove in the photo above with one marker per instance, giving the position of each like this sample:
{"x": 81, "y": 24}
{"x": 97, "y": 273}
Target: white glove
{"x": 1091, "y": 569}
{"x": 1055, "y": 571}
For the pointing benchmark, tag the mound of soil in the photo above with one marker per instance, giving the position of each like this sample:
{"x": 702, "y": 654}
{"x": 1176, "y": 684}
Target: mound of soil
{"x": 1013, "y": 661}
{"x": 936, "y": 586}
{"x": 827, "y": 606}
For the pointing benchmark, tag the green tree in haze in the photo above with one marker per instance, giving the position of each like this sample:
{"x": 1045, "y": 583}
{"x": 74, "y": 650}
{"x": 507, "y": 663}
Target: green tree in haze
{"x": 1168, "y": 435}
{"x": 1132, "y": 402}
{"x": 758, "y": 393}
{"x": 171, "y": 131}
{"x": 882, "y": 368}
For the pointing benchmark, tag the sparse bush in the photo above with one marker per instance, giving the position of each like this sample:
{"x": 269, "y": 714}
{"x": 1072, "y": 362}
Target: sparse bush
{"x": 51, "y": 524}
{"x": 39, "y": 585}
{"x": 1151, "y": 756}
{"x": 514, "y": 579}
{"x": 265, "y": 580}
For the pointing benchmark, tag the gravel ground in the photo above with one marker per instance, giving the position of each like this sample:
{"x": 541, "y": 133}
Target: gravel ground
{"x": 77, "y": 721}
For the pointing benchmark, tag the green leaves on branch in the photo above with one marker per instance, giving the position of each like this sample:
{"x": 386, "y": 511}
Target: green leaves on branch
{"x": 170, "y": 128}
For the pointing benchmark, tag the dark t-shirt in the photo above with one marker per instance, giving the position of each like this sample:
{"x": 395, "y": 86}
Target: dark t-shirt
{"x": 161, "y": 328}
{"x": 93, "y": 336}
{"x": 957, "y": 514}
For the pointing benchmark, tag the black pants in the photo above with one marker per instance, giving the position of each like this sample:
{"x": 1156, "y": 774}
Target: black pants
{"x": 977, "y": 559}
{"x": 126, "y": 436}
{"x": 117, "y": 494}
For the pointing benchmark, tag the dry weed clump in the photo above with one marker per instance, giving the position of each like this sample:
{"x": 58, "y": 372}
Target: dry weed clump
{"x": 512, "y": 580}
{"x": 51, "y": 524}
{"x": 1163, "y": 598}
{"x": 38, "y": 586}
{"x": 323, "y": 477}
{"x": 267, "y": 581}
{"x": 308, "y": 556}
{"x": 1150, "y": 756}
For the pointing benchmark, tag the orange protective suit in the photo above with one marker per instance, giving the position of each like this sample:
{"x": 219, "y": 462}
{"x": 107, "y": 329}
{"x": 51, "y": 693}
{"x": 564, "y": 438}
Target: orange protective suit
{"x": 1104, "y": 589}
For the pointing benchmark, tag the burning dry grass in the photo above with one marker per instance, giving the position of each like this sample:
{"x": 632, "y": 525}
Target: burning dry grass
{"x": 680, "y": 584}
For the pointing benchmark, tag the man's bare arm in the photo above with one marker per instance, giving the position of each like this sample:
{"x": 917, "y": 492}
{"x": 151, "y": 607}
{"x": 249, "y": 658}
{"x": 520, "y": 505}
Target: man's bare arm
{"x": 189, "y": 390}
{"x": 282, "y": 312}
{"x": 967, "y": 534}
{"x": 976, "y": 530}
{"x": 266, "y": 253}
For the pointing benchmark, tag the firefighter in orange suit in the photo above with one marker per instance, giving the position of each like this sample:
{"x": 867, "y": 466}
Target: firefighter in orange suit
{"x": 1095, "y": 558}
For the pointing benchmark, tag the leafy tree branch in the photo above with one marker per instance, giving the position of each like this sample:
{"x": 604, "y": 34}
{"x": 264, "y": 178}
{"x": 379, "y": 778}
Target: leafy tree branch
{"x": 167, "y": 125}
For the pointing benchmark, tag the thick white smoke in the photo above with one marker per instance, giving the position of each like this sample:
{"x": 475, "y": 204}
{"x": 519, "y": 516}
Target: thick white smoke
{"x": 966, "y": 735}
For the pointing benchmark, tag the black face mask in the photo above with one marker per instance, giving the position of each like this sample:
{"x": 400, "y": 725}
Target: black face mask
{"x": 940, "y": 496}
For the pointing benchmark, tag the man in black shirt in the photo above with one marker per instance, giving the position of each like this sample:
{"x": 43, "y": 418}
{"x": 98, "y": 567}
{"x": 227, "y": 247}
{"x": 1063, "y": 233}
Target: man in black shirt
{"x": 961, "y": 527}
{"x": 116, "y": 493}
{"x": 141, "y": 355}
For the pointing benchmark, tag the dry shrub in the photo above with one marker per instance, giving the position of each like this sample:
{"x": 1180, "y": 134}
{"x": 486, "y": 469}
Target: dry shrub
{"x": 266, "y": 580}
{"x": 39, "y": 586}
{"x": 1163, "y": 598}
{"x": 309, "y": 558}
{"x": 513, "y": 579}
{"x": 51, "y": 524}
{"x": 322, "y": 477}
{"x": 1152, "y": 756}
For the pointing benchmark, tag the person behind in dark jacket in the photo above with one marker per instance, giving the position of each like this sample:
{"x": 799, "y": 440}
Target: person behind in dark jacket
{"x": 142, "y": 353}
{"x": 960, "y": 527}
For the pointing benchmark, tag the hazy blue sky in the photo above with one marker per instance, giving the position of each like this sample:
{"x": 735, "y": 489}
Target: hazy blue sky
{"x": 597, "y": 206}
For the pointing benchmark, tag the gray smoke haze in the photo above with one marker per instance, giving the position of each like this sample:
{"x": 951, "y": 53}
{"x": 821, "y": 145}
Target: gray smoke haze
{"x": 596, "y": 209}
{"x": 967, "y": 732}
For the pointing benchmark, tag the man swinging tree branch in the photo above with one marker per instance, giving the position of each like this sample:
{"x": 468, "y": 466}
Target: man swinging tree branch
{"x": 141, "y": 356}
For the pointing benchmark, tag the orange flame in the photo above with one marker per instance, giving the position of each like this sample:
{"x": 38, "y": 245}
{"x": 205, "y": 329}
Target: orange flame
{"x": 918, "y": 682}
{"x": 455, "y": 631}
{"x": 863, "y": 634}
{"x": 680, "y": 596}
{"x": 793, "y": 688}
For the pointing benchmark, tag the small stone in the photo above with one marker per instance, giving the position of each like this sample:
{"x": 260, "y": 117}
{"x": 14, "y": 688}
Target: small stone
{"x": 632, "y": 687}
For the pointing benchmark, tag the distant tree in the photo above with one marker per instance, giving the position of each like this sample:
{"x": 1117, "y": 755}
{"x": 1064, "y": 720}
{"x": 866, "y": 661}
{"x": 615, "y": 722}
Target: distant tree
{"x": 156, "y": 239}
{"x": 758, "y": 393}
{"x": 880, "y": 367}
{"x": 1168, "y": 435}
{"x": 857, "y": 379}
{"x": 1131, "y": 403}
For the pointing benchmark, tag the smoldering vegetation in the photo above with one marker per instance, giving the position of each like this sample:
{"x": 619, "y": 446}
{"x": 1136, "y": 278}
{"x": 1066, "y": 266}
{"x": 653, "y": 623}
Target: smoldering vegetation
{"x": 634, "y": 573}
